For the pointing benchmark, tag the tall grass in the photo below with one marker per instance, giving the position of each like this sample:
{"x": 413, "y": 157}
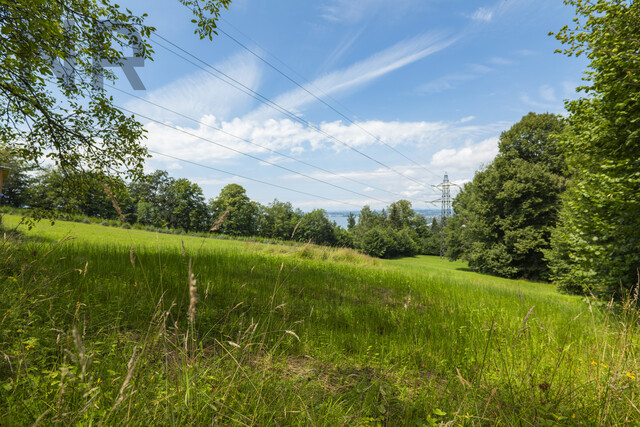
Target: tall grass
{"x": 144, "y": 328}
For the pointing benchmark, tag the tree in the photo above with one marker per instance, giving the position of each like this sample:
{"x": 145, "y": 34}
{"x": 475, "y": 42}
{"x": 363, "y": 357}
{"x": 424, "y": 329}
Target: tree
{"x": 504, "y": 218}
{"x": 351, "y": 221}
{"x": 377, "y": 242}
{"x": 240, "y": 213}
{"x": 595, "y": 248}
{"x": 278, "y": 220}
{"x": 15, "y": 187}
{"x": 430, "y": 239}
{"x": 50, "y": 103}
{"x": 150, "y": 198}
{"x": 401, "y": 214}
{"x": 188, "y": 209}
{"x": 316, "y": 227}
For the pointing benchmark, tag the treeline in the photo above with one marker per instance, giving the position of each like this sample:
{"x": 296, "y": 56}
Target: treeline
{"x": 159, "y": 201}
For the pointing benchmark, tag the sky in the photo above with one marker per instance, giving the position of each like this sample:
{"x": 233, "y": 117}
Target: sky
{"x": 337, "y": 104}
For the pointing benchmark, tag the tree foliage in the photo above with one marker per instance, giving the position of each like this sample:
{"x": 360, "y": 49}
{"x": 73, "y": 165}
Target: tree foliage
{"x": 240, "y": 213}
{"x": 595, "y": 248}
{"x": 315, "y": 227}
{"x": 278, "y": 220}
{"x": 505, "y": 216}
{"x": 72, "y": 122}
{"x": 396, "y": 231}
{"x": 51, "y": 106}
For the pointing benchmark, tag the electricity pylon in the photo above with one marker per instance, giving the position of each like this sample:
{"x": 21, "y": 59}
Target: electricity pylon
{"x": 445, "y": 211}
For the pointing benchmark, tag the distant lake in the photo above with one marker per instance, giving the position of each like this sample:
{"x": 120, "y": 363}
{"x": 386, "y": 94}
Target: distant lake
{"x": 340, "y": 218}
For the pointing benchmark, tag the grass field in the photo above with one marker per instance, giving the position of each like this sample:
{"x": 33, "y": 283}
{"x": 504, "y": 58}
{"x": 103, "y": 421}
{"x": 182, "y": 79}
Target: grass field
{"x": 103, "y": 325}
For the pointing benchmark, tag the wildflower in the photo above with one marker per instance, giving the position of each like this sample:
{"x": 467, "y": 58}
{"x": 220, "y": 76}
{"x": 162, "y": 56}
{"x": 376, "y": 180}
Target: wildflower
{"x": 29, "y": 347}
{"x": 593, "y": 363}
{"x": 630, "y": 375}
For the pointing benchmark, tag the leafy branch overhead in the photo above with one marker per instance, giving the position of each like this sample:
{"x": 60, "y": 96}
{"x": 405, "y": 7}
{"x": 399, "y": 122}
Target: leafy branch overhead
{"x": 207, "y": 13}
{"x": 51, "y": 103}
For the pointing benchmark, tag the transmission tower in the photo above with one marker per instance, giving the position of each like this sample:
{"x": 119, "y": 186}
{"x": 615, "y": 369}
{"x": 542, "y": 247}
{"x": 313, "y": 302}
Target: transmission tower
{"x": 445, "y": 211}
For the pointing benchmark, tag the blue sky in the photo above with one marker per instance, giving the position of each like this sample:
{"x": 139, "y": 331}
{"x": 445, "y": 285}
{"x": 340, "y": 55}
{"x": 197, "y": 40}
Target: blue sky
{"x": 420, "y": 87}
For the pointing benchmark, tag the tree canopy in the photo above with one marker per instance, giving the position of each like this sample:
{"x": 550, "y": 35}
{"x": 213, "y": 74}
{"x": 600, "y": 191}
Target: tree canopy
{"x": 505, "y": 216}
{"x": 50, "y": 104}
{"x": 595, "y": 248}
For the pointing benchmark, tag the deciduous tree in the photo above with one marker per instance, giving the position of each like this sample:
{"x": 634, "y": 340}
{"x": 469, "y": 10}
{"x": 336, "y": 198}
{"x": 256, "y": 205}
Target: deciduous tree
{"x": 505, "y": 217}
{"x": 595, "y": 248}
{"x": 50, "y": 56}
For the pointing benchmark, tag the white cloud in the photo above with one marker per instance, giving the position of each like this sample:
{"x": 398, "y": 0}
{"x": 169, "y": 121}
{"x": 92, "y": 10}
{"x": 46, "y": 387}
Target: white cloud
{"x": 471, "y": 157}
{"x": 482, "y": 14}
{"x": 525, "y": 52}
{"x": 569, "y": 89}
{"x": 292, "y": 138}
{"x": 499, "y": 9}
{"x": 500, "y": 61}
{"x": 201, "y": 93}
{"x": 466, "y": 119}
{"x": 450, "y": 81}
{"x": 360, "y": 73}
{"x": 470, "y": 146}
{"x": 444, "y": 83}
{"x": 478, "y": 68}
{"x": 545, "y": 106}
{"x": 350, "y": 11}
{"x": 344, "y": 45}
{"x": 547, "y": 93}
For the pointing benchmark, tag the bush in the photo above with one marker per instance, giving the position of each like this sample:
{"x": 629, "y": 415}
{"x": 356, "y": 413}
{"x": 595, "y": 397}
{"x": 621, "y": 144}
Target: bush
{"x": 376, "y": 242}
{"x": 344, "y": 239}
{"x": 405, "y": 243}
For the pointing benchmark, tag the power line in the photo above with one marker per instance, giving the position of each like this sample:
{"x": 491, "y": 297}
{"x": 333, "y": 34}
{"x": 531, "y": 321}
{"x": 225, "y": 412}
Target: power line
{"x": 250, "y": 155}
{"x": 252, "y": 179}
{"x": 248, "y": 141}
{"x": 273, "y": 104}
{"x": 344, "y": 116}
{"x": 285, "y": 65}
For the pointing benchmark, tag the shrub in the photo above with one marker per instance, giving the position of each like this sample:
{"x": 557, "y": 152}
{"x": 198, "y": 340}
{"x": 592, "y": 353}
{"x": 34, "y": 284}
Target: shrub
{"x": 376, "y": 242}
{"x": 405, "y": 243}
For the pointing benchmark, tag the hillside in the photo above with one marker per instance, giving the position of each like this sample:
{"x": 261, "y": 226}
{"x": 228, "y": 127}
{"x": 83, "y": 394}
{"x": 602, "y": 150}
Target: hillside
{"x": 102, "y": 324}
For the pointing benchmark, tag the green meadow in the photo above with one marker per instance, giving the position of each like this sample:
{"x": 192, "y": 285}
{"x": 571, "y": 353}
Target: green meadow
{"x": 103, "y": 326}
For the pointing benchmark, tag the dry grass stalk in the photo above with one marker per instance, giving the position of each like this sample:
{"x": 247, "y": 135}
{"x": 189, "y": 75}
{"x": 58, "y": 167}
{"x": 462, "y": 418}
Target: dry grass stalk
{"x": 116, "y": 206}
{"x": 464, "y": 382}
{"x": 184, "y": 254}
{"x": 526, "y": 318}
{"x": 295, "y": 229}
{"x": 193, "y": 296}
{"x": 216, "y": 225}
{"x": 82, "y": 359}
{"x": 292, "y": 333}
{"x": 130, "y": 368}
{"x": 132, "y": 257}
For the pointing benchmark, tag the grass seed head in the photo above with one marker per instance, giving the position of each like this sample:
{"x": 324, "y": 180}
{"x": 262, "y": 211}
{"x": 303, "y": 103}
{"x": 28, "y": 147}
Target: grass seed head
{"x": 193, "y": 296}
{"x": 116, "y": 206}
{"x": 216, "y": 225}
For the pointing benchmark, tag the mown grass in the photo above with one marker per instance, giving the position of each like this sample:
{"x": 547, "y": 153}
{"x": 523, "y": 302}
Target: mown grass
{"x": 95, "y": 329}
